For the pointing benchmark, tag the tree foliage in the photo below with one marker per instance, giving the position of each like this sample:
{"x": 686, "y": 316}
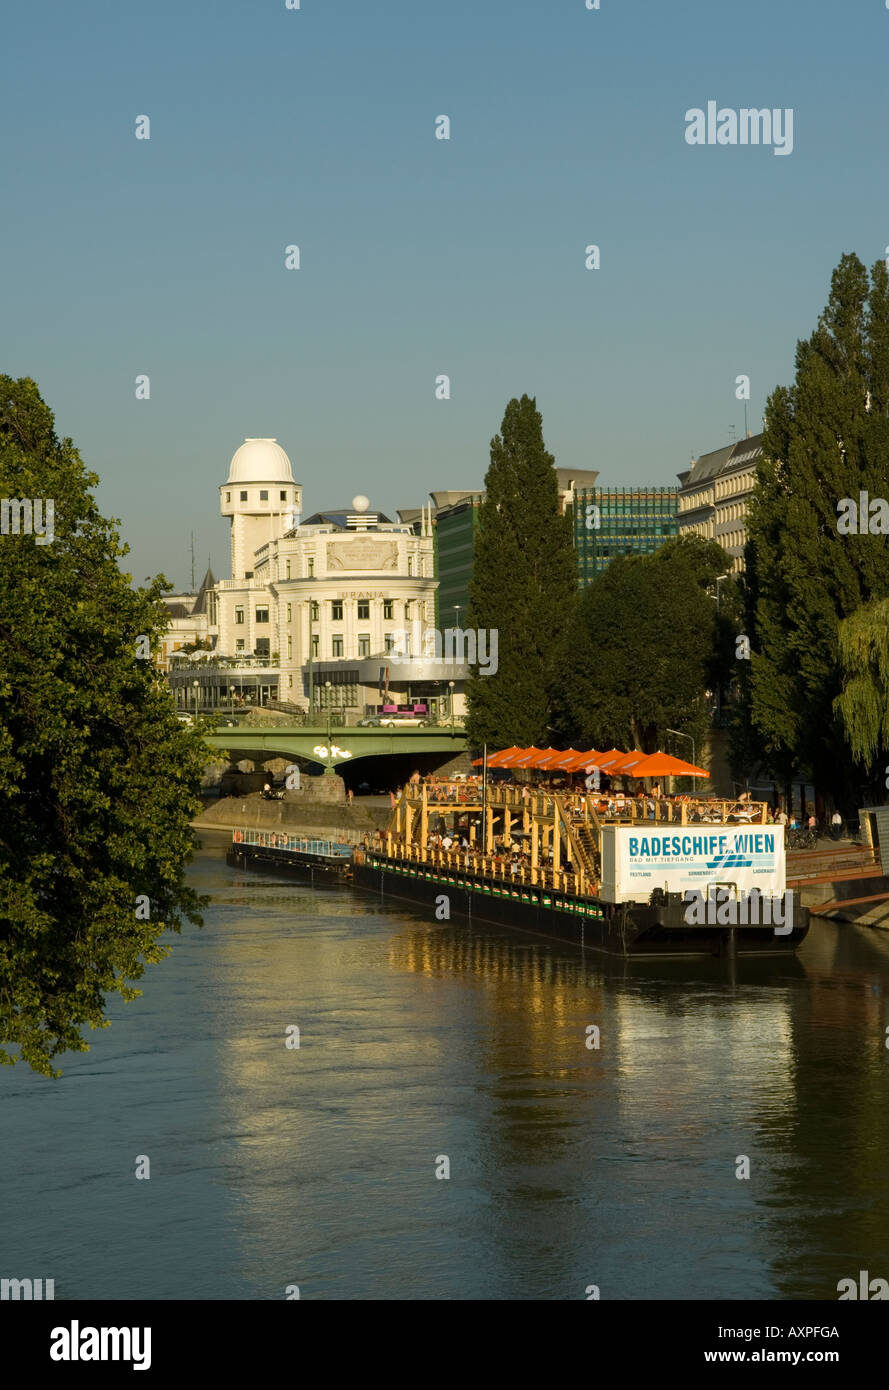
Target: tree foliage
{"x": 98, "y": 778}
{"x": 643, "y": 647}
{"x": 524, "y": 583}
{"x": 826, "y": 439}
{"x": 863, "y": 703}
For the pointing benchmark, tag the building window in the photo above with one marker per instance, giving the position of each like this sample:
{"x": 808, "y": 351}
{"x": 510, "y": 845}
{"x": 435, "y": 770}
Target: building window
{"x": 388, "y": 604}
{"x": 262, "y": 615}
{"x": 407, "y": 610}
{"x": 410, "y": 564}
{"x": 287, "y": 571}
{"x": 289, "y": 645}
{"x": 336, "y": 646}
{"x": 311, "y": 566}
{"x": 228, "y": 497}
{"x": 239, "y": 615}
{"x": 283, "y": 496}
{"x": 290, "y": 682}
{"x": 313, "y": 611}
{"x": 336, "y": 610}
{"x": 364, "y": 610}
{"x": 263, "y": 496}
{"x": 239, "y": 645}
{"x": 289, "y": 612}
{"x": 315, "y": 645}
{"x": 243, "y": 497}
{"x": 364, "y": 645}
{"x": 389, "y": 641}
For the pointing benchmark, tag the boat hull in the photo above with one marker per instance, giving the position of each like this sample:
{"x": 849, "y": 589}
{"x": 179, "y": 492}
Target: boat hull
{"x": 309, "y": 868}
{"x": 626, "y": 929}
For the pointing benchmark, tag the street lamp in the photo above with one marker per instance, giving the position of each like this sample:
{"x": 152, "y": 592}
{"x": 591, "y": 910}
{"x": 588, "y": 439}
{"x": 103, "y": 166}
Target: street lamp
{"x": 719, "y": 579}
{"x": 231, "y": 695}
{"x": 311, "y": 671}
{"x": 679, "y": 734}
{"x": 327, "y": 702}
{"x": 451, "y": 701}
{"x": 196, "y": 685}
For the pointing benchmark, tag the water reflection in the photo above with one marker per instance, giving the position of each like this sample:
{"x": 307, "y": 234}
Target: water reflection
{"x": 570, "y": 1165}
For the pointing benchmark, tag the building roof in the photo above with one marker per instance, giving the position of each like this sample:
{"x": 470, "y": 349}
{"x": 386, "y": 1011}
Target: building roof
{"x": 207, "y": 584}
{"x": 708, "y": 466}
{"x": 746, "y": 452}
{"x": 260, "y": 461}
{"x": 341, "y": 516}
{"x": 571, "y": 479}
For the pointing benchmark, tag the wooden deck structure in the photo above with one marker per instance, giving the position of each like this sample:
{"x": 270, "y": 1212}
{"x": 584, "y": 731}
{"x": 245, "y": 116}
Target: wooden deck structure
{"x": 559, "y": 831}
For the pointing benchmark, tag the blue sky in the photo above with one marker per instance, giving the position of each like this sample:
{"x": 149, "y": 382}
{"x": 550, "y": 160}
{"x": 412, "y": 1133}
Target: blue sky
{"x": 315, "y": 127}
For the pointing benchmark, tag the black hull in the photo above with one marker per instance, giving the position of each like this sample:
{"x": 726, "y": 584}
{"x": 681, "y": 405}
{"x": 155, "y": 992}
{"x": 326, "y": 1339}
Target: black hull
{"x": 308, "y": 868}
{"x": 625, "y": 929}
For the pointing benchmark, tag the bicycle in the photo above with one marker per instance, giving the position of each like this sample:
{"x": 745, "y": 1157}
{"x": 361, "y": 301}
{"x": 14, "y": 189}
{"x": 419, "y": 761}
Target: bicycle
{"x": 802, "y": 838}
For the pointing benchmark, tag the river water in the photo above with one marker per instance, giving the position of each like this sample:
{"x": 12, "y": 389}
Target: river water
{"x": 422, "y": 1041}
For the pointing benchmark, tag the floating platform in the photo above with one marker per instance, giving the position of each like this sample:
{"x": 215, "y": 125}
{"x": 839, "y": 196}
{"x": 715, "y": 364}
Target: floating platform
{"x": 654, "y": 929}
{"x": 292, "y": 854}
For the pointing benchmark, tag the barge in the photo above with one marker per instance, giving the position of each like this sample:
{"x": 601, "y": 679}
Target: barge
{"x": 644, "y": 883}
{"x": 321, "y": 860}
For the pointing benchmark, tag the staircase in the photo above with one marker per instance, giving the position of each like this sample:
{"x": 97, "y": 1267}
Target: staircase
{"x": 583, "y": 847}
{"x": 589, "y": 850}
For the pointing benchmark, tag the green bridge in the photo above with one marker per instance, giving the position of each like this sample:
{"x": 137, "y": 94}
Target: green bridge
{"x": 435, "y": 745}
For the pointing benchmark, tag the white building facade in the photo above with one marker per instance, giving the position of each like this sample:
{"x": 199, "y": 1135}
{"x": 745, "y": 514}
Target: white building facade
{"x": 340, "y": 586}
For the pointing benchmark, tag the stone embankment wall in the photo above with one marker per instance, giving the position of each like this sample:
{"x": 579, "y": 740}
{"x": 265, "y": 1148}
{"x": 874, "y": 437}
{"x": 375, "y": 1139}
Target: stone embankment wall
{"x": 314, "y": 819}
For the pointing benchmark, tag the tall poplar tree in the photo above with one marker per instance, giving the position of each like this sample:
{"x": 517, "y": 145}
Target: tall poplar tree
{"x": 826, "y": 439}
{"x": 524, "y": 584}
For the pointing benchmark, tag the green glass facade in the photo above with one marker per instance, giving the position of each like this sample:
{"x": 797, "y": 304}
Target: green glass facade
{"x": 454, "y": 552}
{"x": 632, "y": 521}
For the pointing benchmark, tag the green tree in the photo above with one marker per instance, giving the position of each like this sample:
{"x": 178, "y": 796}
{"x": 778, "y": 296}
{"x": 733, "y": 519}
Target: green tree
{"x": 643, "y": 647}
{"x": 524, "y": 584}
{"x": 98, "y": 779}
{"x": 863, "y": 703}
{"x": 826, "y": 439}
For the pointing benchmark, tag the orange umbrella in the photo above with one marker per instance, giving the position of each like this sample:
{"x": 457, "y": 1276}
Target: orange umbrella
{"x": 565, "y": 760}
{"x": 665, "y": 765}
{"x": 609, "y": 755}
{"x": 584, "y": 760}
{"x": 549, "y": 760}
{"x": 517, "y": 759}
{"x": 536, "y": 757}
{"x": 614, "y": 761}
{"x": 496, "y": 759}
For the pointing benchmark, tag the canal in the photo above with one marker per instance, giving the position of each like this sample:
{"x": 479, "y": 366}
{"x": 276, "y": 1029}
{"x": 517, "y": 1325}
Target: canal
{"x": 424, "y": 1041}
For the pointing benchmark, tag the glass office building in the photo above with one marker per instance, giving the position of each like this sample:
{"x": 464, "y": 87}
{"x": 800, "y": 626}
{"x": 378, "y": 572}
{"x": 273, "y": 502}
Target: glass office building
{"x": 621, "y": 521}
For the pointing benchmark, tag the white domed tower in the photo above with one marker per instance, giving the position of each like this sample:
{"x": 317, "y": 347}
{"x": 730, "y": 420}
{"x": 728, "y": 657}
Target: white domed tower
{"x": 261, "y": 498}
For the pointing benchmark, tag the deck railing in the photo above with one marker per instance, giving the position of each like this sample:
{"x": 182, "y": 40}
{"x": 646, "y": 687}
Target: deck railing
{"x": 487, "y": 866}
{"x": 460, "y": 795}
{"x": 271, "y": 839}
